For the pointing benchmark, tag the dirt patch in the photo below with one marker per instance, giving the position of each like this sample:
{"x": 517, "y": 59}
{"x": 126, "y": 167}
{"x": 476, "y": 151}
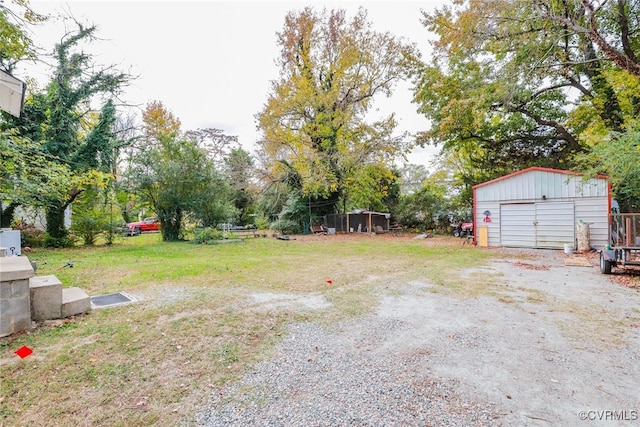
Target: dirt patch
{"x": 165, "y": 295}
{"x": 529, "y": 266}
{"x": 578, "y": 261}
{"x": 273, "y": 301}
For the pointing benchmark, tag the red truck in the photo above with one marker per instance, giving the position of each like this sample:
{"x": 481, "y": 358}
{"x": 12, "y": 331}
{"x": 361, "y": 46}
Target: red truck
{"x": 147, "y": 224}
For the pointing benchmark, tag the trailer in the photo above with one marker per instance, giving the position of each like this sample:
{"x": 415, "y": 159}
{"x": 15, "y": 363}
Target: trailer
{"x": 624, "y": 242}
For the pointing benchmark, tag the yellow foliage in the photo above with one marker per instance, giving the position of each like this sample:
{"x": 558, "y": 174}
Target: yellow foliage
{"x": 159, "y": 122}
{"x": 314, "y": 118}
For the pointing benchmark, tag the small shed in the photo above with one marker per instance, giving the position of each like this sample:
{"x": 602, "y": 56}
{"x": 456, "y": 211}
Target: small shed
{"x": 541, "y": 208}
{"x": 359, "y": 221}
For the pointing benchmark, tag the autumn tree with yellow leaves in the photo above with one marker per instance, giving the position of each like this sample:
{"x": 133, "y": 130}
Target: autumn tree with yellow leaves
{"x": 318, "y": 135}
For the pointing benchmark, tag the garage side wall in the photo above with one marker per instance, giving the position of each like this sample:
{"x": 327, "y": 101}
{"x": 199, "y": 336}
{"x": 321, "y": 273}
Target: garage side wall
{"x": 594, "y": 211}
{"x": 493, "y": 225}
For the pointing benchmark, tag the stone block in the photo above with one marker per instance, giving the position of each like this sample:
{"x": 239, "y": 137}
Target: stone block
{"x": 15, "y": 268}
{"x": 14, "y": 289}
{"x": 15, "y": 315}
{"x": 46, "y": 297}
{"x": 75, "y": 301}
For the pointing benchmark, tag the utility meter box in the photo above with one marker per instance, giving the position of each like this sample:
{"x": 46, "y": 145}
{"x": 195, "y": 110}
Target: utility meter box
{"x": 10, "y": 241}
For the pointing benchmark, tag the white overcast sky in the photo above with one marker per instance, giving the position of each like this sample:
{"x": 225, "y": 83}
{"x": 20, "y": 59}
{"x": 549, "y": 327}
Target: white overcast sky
{"x": 211, "y": 62}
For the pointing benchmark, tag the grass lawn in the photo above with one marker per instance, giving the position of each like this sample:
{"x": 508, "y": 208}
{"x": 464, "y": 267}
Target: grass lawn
{"x": 197, "y": 324}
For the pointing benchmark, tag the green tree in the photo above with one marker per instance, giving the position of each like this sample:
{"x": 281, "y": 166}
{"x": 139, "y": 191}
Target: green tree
{"x": 90, "y": 217}
{"x": 177, "y": 176}
{"x": 373, "y": 187}
{"x": 426, "y": 208}
{"x": 315, "y": 119}
{"x": 411, "y": 177}
{"x": 271, "y": 201}
{"x": 15, "y": 46}
{"x": 239, "y": 171}
{"x": 28, "y": 177}
{"x": 93, "y": 153}
{"x": 122, "y": 189}
{"x": 15, "y": 43}
{"x": 517, "y": 83}
{"x": 621, "y": 155}
{"x": 218, "y": 145}
{"x": 68, "y": 129}
{"x": 612, "y": 27}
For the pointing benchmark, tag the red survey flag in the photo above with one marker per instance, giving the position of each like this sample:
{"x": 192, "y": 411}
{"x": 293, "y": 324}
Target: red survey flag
{"x": 23, "y": 351}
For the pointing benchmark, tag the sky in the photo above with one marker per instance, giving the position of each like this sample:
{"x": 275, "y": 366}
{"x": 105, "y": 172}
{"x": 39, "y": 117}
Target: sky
{"x": 211, "y": 62}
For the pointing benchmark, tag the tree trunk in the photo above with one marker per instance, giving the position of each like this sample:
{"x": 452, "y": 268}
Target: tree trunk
{"x": 6, "y": 215}
{"x": 55, "y": 221}
{"x": 170, "y": 225}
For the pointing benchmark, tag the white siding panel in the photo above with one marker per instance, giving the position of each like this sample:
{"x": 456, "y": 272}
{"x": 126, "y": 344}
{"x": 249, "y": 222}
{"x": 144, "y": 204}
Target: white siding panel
{"x": 493, "y": 226}
{"x": 483, "y": 194}
{"x": 517, "y": 225}
{"x": 594, "y": 212}
{"x": 532, "y": 185}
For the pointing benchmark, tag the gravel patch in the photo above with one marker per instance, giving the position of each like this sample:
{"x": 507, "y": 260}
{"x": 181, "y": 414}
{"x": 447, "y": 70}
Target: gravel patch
{"x": 556, "y": 345}
{"x": 345, "y": 377}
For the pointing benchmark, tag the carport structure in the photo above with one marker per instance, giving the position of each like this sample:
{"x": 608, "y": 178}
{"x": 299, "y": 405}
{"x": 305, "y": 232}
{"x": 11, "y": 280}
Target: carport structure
{"x": 540, "y": 208}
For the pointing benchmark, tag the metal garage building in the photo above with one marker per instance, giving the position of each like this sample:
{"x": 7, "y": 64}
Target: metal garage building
{"x": 540, "y": 208}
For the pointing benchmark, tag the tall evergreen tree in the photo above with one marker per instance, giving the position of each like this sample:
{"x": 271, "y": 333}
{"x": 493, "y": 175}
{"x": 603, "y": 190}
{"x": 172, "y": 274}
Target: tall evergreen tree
{"x": 68, "y": 137}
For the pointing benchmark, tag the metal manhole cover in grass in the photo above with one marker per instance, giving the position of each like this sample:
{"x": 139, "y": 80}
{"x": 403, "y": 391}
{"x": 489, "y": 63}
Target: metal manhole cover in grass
{"x": 111, "y": 300}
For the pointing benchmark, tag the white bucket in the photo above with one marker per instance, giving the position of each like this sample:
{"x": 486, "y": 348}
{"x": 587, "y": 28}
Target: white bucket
{"x": 568, "y": 248}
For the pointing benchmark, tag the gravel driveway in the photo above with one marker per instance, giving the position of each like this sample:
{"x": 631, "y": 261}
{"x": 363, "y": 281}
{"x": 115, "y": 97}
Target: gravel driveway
{"x": 555, "y": 345}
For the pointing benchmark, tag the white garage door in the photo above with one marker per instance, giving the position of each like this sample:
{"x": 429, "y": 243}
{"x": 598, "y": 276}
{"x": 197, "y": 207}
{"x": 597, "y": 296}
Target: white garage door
{"x": 537, "y": 225}
{"x": 516, "y": 225}
{"x": 555, "y": 224}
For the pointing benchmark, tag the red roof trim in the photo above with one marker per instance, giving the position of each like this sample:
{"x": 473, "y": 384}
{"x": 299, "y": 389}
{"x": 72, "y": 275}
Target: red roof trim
{"x": 534, "y": 168}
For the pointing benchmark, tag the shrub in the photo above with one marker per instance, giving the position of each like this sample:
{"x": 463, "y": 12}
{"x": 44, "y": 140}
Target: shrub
{"x": 206, "y": 235}
{"x": 286, "y": 226}
{"x": 262, "y": 222}
{"x": 89, "y": 224}
{"x": 30, "y": 235}
{"x": 114, "y": 231}
{"x": 57, "y": 242}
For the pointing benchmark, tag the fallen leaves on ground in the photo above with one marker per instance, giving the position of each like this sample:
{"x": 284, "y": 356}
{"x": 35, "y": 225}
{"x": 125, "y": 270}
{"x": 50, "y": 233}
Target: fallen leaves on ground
{"x": 532, "y": 266}
{"x": 627, "y": 275}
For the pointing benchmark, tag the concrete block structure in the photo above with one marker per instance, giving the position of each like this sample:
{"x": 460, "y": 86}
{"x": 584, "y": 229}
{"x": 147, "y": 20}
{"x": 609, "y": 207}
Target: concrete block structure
{"x": 15, "y": 301}
{"x": 25, "y": 297}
